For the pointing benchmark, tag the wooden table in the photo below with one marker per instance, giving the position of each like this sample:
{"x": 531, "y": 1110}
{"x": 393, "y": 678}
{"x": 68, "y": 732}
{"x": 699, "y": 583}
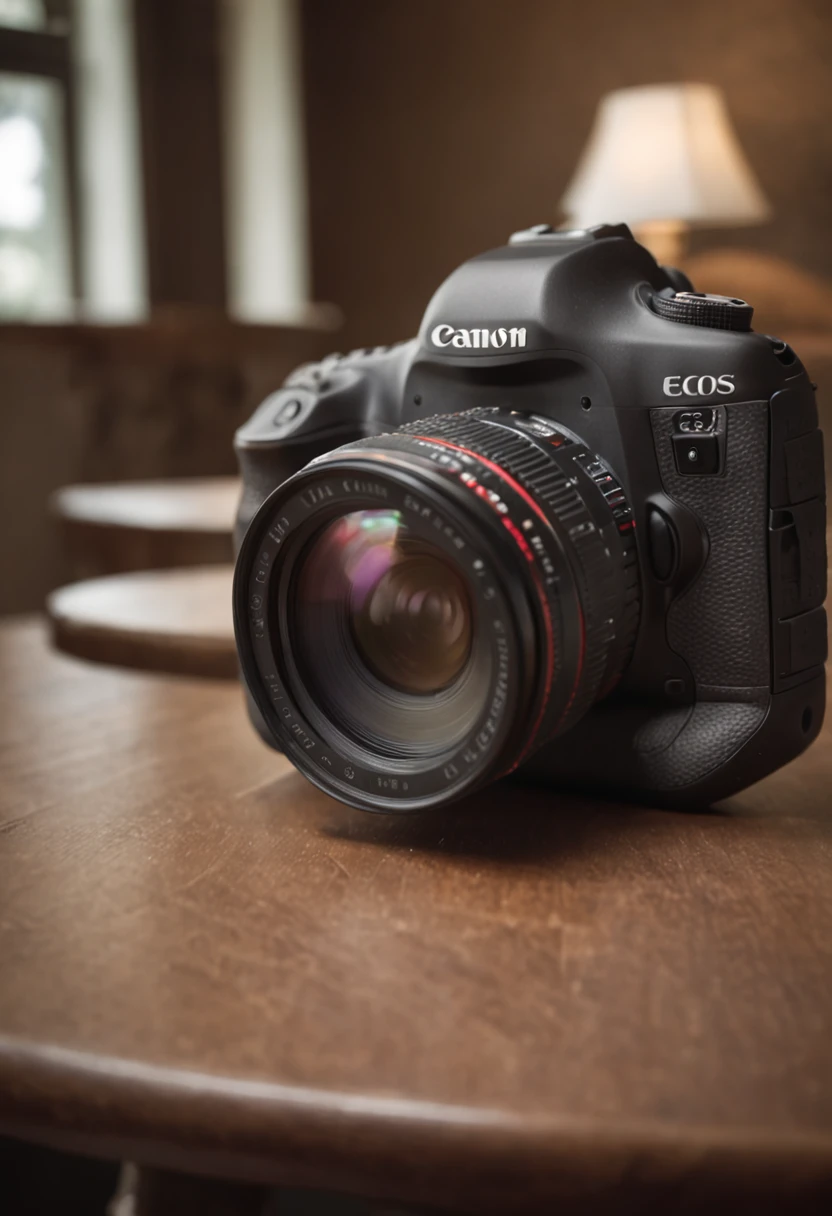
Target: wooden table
{"x": 146, "y": 525}
{"x": 528, "y": 1003}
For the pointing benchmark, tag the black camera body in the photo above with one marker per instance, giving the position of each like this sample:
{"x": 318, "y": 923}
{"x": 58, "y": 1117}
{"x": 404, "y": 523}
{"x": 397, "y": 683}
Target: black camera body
{"x": 623, "y": 467}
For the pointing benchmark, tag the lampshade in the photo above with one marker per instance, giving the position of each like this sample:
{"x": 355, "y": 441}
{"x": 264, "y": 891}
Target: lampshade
{"x": 664, "y": 153}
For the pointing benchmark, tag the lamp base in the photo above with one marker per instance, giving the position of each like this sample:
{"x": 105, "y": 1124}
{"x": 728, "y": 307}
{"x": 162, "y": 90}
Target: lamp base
{"x": 667, "y": 240}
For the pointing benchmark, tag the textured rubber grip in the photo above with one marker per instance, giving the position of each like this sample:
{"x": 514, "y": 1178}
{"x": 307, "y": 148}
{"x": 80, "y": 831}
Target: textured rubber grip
{"x": 720, "y": 625}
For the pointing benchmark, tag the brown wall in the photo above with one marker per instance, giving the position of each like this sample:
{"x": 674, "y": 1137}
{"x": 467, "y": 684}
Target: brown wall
{"x": 437, "y": 127}
{"x": 100, "y": 403}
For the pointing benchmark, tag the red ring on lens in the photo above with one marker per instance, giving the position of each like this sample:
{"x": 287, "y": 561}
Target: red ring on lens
{"x": 523, "y": 493}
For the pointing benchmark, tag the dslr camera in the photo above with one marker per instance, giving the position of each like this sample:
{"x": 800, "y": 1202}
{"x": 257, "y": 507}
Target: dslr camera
{"x": 575, "y": 530}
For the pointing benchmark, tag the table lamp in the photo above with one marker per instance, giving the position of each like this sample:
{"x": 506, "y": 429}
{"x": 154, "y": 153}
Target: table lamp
{"x": 662, "y": 158}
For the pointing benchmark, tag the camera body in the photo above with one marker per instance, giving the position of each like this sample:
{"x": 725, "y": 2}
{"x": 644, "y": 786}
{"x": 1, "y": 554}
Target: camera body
{"x": 705, "y": 440}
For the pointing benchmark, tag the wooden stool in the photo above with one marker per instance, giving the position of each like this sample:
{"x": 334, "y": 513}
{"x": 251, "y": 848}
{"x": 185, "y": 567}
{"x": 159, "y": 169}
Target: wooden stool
{"x": 177, "y": 621}
{"x": 530, "y": 1002}
{"x": 147, "y": 525}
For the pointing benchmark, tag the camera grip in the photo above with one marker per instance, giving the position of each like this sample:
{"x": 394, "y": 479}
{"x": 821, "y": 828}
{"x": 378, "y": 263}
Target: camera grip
{"x": 735, "y": 731}
{"x": 720, "y": 624}
{"x": 687, "y": 757}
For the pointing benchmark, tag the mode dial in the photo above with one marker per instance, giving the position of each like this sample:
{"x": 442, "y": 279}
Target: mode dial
{"x": 699, "y": 308}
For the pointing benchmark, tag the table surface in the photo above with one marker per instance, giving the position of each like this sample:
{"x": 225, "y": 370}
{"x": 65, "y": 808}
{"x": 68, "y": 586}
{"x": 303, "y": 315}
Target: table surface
{"x": 175, "y": 621}
{"x": 207, "y": 964}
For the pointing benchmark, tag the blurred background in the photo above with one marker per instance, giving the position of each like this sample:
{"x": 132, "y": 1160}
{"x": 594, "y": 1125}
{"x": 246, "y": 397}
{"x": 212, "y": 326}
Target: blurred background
{"x": 197, "y": 195}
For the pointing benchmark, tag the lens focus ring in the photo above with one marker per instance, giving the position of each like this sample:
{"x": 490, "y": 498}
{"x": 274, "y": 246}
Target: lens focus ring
{"x": 563, "y": 477}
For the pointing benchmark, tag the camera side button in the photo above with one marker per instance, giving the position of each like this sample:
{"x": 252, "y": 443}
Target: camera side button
{"x": 796, "y": 448}
{"x": 800, "y": 643}
{"x": 663, "y": 544}
{"x": 804, "y": 467}
{"x": 696, "y": 454}
{"x": 798, "y": 557}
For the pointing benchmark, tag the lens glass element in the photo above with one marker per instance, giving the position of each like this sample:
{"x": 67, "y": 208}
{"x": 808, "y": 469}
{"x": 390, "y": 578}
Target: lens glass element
{"x": 384, "y": 634}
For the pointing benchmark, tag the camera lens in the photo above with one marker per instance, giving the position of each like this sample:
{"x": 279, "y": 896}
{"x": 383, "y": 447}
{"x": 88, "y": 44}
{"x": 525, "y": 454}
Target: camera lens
{"x": 382, "y": 629}
{"x": 369, "y": 581}
{"x": 417, "y": 613}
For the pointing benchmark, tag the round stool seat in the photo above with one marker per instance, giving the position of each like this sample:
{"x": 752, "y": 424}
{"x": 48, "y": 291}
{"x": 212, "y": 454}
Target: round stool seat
{"x": 147, "y": 525}
{"x": 177, "y": 621}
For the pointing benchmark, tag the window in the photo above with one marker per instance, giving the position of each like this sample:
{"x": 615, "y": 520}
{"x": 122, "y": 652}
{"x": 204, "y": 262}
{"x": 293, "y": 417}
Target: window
{"x": 185, "y": 186}
{"x": 71, "y": 229}
{"x": 37, "y": 253}
{"x": 24, "y": 14}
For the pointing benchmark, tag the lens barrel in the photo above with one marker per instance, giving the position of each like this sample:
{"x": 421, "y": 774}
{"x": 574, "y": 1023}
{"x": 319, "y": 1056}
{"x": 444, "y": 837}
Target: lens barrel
{"x": 418, "y": 612}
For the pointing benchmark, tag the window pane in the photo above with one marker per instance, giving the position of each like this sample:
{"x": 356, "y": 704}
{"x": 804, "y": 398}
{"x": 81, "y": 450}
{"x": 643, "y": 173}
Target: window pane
{"x": 23, "y": 14}
{"x": 34, "y": 232}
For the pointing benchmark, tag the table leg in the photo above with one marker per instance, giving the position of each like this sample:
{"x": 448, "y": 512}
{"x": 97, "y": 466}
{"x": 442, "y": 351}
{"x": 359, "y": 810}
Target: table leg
{"x": 144, "y": 1191}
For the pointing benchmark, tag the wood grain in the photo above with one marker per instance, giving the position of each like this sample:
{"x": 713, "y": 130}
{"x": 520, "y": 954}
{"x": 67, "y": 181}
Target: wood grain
{"x": 526, "y": 1002}
{"x": 175, "y": 621}
{"x": 122, "y": 526}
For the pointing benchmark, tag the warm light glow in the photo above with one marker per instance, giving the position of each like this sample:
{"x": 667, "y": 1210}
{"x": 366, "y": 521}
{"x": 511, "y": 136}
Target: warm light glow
{"x": 664, "y": 153}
